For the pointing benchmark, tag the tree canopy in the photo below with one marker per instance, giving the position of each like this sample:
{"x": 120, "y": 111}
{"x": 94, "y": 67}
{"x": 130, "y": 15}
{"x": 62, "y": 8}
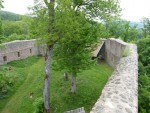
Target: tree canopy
{"x": 67, "y": 23}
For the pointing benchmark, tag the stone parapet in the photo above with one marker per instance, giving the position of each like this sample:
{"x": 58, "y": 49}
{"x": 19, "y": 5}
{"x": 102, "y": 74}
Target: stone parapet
{"x": 114, "y": 51}
{"x": 120, "y": 95}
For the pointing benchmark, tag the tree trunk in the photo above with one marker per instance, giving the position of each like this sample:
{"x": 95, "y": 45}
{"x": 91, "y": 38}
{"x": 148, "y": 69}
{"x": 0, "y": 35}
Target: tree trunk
{"x": 46, "y": 92}
{"x": 73, "y": 87}
{"x": 51, "y": 13}
{"x": 66, "y": 76}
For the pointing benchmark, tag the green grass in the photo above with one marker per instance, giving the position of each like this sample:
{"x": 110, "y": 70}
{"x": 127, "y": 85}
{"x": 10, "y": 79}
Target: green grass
{"x": 89, "y": 86}
{"x": 20, "y": 69}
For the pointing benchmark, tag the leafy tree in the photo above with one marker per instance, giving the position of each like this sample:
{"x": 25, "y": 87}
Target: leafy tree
{"x": 5, "y": 15}
{"x": 144, "y": 75}
{"x": 43, "y": 26}
{"x": 122, "y": 29}
{"x": 146, "y": 29}
{"x": 1, "y": 31}
{"x": 82, "y": 32}
{"x": 73, "y": 52}
{"x": 144, "y": 50}
{"x": 50, "y": 23}
{"x": 19, "y": 28}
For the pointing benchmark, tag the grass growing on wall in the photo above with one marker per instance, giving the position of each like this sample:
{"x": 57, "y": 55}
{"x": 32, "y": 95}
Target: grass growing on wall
{"x": 126, "y": 52}
{"x": 89, "y": 86}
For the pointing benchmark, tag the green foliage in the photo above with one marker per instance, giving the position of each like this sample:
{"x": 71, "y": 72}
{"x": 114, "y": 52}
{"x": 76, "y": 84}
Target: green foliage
{"x": 4, "y": 15}
{"x": 8, "y": 76}
{"x": 14, "y": 75}
{"x": 89, "y": 81}
{"x": 144, "y": 92}
{"x": 19, "y": 27}
{"x": 144, "y": 75}
{"x": 146, "y": 29}
{"x": 69, "y": 25}
{"x": 123, "y": 29}
{"x": 6, "y": 82}
{"x": 76, "y": 44}
{"x": 79, "y": 33}
{"x": 144, "y": 50}
{"x": 15, "y": 30}
{"x": 14, "y": 36}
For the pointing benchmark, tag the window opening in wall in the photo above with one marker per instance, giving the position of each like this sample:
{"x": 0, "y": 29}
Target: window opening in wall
{"x": 30, "y": 50}
{"x": 18, "y": 54}
{"x": 5, "y": 58}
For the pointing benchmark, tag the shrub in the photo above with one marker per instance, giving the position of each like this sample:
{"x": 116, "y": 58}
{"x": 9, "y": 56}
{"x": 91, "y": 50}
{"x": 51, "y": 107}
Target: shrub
{"x": 144, "y": 75}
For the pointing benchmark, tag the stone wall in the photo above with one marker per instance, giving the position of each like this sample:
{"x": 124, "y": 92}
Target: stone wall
{"x": 120, "y": 95}
{"x": 114, "y": 50}
{"x": 19, "y": 49}
{"x": 79, "y": 110}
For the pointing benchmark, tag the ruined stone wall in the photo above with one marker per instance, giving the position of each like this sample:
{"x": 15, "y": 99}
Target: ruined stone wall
{"x": 114, "y": 50}
{"x": 19, "y": 49}
{"x": 120, "y": 95}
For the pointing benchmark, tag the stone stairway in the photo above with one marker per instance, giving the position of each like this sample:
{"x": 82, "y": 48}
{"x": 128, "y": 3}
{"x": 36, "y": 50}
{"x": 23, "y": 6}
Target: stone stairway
{"x": 79, "y": 110}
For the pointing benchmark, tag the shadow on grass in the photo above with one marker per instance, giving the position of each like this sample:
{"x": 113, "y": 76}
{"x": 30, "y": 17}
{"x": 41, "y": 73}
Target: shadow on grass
{"x": 24, "y": 62}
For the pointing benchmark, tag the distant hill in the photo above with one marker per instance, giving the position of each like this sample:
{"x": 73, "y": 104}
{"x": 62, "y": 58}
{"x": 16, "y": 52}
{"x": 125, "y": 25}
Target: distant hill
{"x": 5, "y": 15}
{"x": 140, "y": 24}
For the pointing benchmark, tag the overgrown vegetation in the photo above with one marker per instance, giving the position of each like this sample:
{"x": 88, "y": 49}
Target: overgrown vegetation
{"x": 90, "y": 84}
{"x": 144, "y": 75}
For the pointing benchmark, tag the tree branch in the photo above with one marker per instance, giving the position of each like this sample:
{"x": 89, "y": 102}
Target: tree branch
{"x": 45, "y": 1}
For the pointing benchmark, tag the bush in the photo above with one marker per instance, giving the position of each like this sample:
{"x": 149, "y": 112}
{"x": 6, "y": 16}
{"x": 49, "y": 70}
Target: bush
{"x": 6, "y": 82}
{"x": 15, "y": 36}
{"x": 144, "y": 75}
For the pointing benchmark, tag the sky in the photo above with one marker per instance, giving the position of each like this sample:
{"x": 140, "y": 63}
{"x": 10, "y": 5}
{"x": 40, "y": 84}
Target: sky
{"x": 135, "y": 10}
{"x": 132, "y": 10}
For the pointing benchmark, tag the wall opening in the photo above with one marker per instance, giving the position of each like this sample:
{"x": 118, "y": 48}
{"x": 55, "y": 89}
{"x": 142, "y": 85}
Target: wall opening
{"x": 5, "y": 58}
{"x": 30, "y": 51}
{"x": 18, "y": 54}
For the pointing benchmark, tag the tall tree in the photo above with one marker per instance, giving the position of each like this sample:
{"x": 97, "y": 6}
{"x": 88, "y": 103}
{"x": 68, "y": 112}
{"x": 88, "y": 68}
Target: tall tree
{"x": 146, "y": 29}
{"x": 122, "y": 29}
{"x": 73, "y": 52}
{"x": 43, "y": 26}
{"x": 1, "y": 31}
{"x": 51, "y": 24}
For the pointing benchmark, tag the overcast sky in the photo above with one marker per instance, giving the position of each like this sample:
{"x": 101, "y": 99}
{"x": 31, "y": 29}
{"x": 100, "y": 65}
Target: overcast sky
{"x": 133, "y": 10}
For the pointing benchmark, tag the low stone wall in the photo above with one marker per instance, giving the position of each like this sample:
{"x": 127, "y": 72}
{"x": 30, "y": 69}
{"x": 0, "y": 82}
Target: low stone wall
{"x": 19, "y": 49}
{"x": 120, "y": 95}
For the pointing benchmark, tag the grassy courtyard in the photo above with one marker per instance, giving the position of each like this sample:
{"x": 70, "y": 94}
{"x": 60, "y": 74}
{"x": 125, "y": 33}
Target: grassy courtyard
{"x": 29, "y": 75}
